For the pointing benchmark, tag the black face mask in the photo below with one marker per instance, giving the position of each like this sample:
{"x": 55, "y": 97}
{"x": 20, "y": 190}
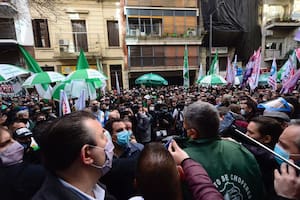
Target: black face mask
{"x": 95, "y": 108}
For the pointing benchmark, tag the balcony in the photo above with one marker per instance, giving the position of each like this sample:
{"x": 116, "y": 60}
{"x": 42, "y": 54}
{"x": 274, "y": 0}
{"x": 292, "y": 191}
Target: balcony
{"x": 7, "y": 8}
{"x": 158, "y": 34}
{"x": 69, "y": 44}
{"x": 271, "y": 53}
{"x": 162, "y": 3}
{"x": 277, "y": 23}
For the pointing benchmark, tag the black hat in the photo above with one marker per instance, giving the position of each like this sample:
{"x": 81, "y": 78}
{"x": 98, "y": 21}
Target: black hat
{"x": 22, "y": 132}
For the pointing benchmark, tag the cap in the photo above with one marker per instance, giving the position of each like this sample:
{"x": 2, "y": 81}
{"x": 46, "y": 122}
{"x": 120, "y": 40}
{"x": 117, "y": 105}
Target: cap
{"x": 277, "y": 115}
{"x": 22, "y": 132}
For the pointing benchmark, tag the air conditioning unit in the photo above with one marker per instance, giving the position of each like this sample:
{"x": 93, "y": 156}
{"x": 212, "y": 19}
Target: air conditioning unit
{"x": 63, "y": 42}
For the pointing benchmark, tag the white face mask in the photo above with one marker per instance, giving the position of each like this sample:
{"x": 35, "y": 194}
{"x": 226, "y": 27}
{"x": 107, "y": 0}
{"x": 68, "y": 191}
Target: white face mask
{"x": 109, "y": 153}
{"x": 243, "y": 112}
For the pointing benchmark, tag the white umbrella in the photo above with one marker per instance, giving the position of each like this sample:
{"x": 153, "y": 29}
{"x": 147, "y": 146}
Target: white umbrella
{"x": 213, "y": 79}
{"x": 43, "y": 78}
{"x": 8, "y": 71}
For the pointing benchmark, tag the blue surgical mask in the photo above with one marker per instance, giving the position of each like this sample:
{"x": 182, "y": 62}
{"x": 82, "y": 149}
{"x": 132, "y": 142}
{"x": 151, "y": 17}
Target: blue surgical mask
{"x": 279, "y": 150}
{"x": 123, "y": 138}
{"x": 109, "y": 153}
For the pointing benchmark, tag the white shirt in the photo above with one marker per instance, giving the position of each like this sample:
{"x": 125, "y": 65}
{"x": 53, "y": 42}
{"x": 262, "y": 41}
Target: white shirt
{"x": 97, "y": 190}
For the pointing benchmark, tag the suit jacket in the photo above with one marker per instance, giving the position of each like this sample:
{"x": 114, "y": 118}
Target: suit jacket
{"x": 53, "y": 189}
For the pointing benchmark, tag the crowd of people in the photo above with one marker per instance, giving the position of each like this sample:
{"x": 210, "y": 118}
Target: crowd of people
{"x": 153, "y": 143}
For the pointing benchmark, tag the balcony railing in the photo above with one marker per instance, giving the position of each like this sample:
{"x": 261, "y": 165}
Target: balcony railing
{"x": 271, "y": 53}
{"x": 7, "y": 8}
{"x": 163, "y": 3}
{"x": 70, "y": 43}
{"x": 162, "y": 32}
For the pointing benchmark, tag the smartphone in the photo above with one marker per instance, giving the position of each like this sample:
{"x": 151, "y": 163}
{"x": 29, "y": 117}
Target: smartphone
{"x": 167, "y": 144}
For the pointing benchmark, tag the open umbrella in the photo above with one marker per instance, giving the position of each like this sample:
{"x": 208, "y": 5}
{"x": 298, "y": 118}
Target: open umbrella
{"x": 43, "y": 77}
{"x": 8, "y": 71}
{"x": 73, "y": 90}
{"x": 213, "y": 79}
{"x": 151, "y": 79}
{"x": 86, "y": 74}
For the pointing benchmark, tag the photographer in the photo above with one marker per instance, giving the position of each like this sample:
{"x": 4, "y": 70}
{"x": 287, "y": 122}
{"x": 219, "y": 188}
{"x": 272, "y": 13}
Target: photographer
{"x": 162, "y": 121}
{"x": 143, "y": 126}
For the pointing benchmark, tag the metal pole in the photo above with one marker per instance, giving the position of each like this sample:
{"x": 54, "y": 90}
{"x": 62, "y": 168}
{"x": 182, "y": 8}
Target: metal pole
{"x": 266, "y": 148}
{"x": 210, "y": 39}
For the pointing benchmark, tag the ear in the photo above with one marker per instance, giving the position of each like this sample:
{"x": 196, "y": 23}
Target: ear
{"x": 267, "y": 139}
{"x": 180, "y": 172}
{"x": 114, "y": 138}
{"x": 192, "y": 133}
{"x": 85, "y": 155}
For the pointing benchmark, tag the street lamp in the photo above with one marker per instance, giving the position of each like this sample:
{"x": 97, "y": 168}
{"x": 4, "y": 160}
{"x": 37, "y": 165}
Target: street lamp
{"x": 210, "y": 29}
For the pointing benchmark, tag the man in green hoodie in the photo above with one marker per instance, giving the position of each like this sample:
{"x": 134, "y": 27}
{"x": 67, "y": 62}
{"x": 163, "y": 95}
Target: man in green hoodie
{"x": 232, "y": 168}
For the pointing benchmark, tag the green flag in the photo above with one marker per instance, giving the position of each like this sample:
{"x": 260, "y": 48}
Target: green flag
{"x": 33, "y": 66}
{"x": 186, "y": 76}
{"x": 214, "y": 67}
{"x": 82, "y": 62}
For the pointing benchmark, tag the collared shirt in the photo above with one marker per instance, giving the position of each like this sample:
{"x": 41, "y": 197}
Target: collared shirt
{"x": 98, "y": 191}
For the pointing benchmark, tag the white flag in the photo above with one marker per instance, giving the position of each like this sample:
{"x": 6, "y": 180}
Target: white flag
{"x": 80, "y": 102}
{"x": 64, "y": 106}
{"x": 117, "y": 84}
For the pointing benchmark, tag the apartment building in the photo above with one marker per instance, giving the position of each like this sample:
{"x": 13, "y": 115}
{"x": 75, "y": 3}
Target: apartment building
{"x": 280, "y": 21}
{"x": 155, "y": 38}
{"x": 15, "y": 26}
{"x": 72, "y": 25}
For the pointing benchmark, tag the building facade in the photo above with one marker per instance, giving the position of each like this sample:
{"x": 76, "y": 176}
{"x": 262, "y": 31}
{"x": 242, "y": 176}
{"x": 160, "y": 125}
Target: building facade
{"x": 155, "y": 38}
{"x": 90, "y": 25}
{"x": 15, "y": 26}
{"x": 280, "y": 21}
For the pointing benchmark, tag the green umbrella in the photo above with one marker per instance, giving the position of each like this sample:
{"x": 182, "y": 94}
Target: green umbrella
{"x": 82, "y": 62}
{"x": 213, "y": 79}
{"x": 8, "y": 71}
{"x": 43, "y": 77}
{"x": 86, "y": 74}
{"x": 151, "y": 79}
{"x": 74, "y": 89}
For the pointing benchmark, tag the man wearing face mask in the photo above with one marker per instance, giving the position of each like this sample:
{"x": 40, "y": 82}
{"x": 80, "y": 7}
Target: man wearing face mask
{"x": 99, "y": 114}
{"x": 288, "y": 145}
{"x": 19, "y": 179}
{"x": 23, "y": 115}
{"x": 120, "y": 179}
{"x": 77, "y": 153}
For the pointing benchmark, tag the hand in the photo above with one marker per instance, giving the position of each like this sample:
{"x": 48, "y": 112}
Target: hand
{"x": 287, "y": 184}
{"x": 178, "y": 154}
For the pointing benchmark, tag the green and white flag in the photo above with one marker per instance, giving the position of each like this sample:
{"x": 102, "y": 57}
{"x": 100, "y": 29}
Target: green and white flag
{"x": 186, "y": 76}
{"x": 214, "y": 67}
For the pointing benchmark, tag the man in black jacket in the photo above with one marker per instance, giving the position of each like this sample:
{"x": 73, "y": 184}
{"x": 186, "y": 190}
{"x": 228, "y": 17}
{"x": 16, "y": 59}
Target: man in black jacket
{"x": 77, "y": 153}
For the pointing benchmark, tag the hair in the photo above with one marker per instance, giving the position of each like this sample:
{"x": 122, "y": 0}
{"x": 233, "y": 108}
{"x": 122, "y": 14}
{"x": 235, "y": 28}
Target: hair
{"x": 157, "y": 176}
{"x": 61, "y": 140}
{"x": 268, "y": 126}
{"x": 297, "y": 140}
{"x": 109, "y": 124}
{"x": 202, "y": 117}
{"x": 235, "y": 108}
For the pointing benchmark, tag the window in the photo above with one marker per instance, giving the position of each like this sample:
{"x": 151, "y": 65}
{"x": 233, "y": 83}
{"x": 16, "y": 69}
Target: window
{"x": 41, "y": 33}
{"x": 116, "y": 70}
{"x": 79, "y": 35}
{"x": 7, "y": 29}
{"x": 113, "y": 33}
